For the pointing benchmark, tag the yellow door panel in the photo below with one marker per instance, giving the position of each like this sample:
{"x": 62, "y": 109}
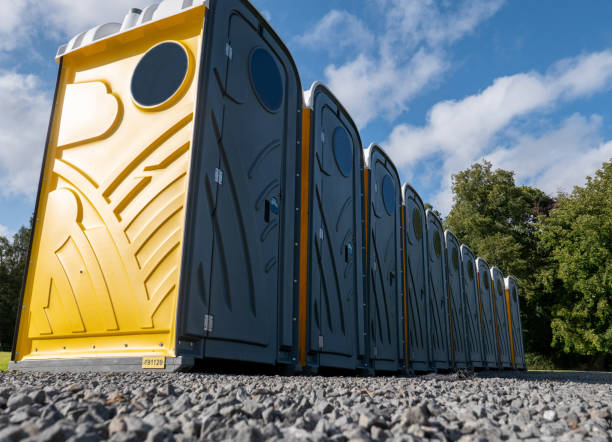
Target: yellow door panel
{"x": 106, "y": 254}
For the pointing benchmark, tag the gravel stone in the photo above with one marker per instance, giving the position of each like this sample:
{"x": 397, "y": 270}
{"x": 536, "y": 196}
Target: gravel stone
{"x": 83, "y": 407}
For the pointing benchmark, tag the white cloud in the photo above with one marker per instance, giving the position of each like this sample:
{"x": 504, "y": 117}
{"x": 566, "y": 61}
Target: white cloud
{"x": 25, "y": 111}
{"x": 4, "y": 231}
{"x": 394, "y": 65}
{"x": 461, "y": 132}
{"x": 337, "y": 31}
{"x": 22, "y": 19}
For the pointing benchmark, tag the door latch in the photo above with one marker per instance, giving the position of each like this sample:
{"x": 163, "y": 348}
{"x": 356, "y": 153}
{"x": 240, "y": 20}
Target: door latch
{"x": 208, "y": 323}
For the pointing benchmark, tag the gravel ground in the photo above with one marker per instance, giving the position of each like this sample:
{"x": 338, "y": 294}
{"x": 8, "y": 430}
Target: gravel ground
{"x": 156, "y": 407}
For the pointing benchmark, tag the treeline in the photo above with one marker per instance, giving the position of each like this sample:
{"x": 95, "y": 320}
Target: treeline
{"x": 560, "y": 250}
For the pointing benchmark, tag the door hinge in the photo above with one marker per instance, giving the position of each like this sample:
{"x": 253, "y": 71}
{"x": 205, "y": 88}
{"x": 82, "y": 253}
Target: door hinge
{"x": 228, "y": 50}
{"x": 320, "y": 341}
{"x": 208, "y": 323}
{"x": 218, "y": 176}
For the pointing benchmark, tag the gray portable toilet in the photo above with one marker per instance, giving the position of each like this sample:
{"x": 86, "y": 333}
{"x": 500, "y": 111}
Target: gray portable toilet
{"x": 240, "y": 281}
{"x": 385, "y": 305}
{"x": 335, "y": 229}
{"x": 416, "y": 288}
{"x": 486, "y": 313}
{"x": 439, "y": 313}
{"x": 456, "y": 295}
{"x": 516, "y": 329}
{"x": 473, "y": 324}
{"x": 502, "y": 333}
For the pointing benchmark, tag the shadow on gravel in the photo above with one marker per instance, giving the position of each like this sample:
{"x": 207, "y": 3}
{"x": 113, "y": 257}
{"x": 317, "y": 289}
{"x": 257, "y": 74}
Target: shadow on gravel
{"x": 583, "y": 377}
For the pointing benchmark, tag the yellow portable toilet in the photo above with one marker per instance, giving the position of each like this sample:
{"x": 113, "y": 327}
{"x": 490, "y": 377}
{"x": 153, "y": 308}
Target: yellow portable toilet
{"x": 167, "y": 215}
{"x": 515, "y": 323}
{"x": 486, "y": 314}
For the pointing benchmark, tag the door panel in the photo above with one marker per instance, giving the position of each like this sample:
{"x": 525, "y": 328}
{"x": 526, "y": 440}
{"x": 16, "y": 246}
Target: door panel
{"x": 439, "y": 314}
{"x": 457, "y": 300}
{"x": 486, "y": 306}
{"x": 417, "y": 289}
{"x": 501, "y": 317}
{"x": 473, "y": 326}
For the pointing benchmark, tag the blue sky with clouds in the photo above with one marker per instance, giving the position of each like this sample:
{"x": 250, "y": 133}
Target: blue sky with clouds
{"x": 439, "y": 84}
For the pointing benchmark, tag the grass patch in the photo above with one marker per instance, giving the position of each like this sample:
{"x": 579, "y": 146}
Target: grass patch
{"x": 5, "y": 357}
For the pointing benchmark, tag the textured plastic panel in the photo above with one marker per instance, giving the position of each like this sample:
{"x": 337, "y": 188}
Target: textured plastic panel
{"x": 473, "y": 324}
{"x": 501, "y": 318}
{"x": 457, "y": 301}
{"x": 240, "y": 271}
{"x": 487, "y": 313}
{"x": 107, "y": 243}
{"x": 438, "y": 306}
{"x": 415, "y": 279}
{"x": 335, "y": 264}
{"x": 516, "y": 329}
{"x": 385, "y": 298}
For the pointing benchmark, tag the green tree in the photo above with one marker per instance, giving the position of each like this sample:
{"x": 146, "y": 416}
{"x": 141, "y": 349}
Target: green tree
{"x": 13, "y": 255}
{"x": 499, "y": 221}
{"x": 577, "y": 238}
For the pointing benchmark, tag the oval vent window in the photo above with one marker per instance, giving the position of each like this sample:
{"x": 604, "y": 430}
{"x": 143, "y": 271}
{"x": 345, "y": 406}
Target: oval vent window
{"x": 437, "y": 244}
{"x": 388, "y": 194}
{"x": 159, "y": 75}
{"x": 267, "y": 80}
{"x": 417, "y": 224}
{"x": 343, "y": 151}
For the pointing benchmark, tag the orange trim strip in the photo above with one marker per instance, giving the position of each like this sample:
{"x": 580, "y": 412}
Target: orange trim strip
{"x": 304, "y": 217}
{"x": 508, "y": 311}
{"x": 403, "y": 248}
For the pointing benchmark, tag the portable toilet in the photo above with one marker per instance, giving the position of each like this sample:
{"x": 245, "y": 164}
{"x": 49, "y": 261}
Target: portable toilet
{"x": 416, "y": 288}
{"x": 514, "y": 319}
{"x": 487, "y": 314}
{"x": 473, "y": 323}
{"x": 456, "y": 299}
{"x": 439, "y": 313}
{"x": 167, "y": 213}
{"x": 385, "y": 301}
{"x": 332, "y": 284}
{"x": 502, "y": 333}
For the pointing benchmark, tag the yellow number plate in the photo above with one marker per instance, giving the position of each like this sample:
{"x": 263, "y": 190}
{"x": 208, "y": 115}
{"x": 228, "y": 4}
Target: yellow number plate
{"x": 154, "y": 362}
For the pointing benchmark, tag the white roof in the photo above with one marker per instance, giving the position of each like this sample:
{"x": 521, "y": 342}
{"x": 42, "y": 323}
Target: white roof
{"x": 134, "y": 18}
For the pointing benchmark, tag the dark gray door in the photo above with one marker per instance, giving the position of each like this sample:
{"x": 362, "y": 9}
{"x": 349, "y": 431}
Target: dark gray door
{"x": 501, "y": 318}
{"x": 438, "y": 305}
{"x": 237, "y": 290}
{"x": 456, "y": 299}
{"x": 385, "y": 294}
{"x": 335, "y": 233}
{"x": 417, "y": 289}
{"x": 517, "y": 329}
{"x": 488, "y": 319}
{"x": 473, "y": 326}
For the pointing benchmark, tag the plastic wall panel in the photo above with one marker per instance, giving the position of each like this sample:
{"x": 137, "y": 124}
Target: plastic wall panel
{"x": 454, "y": 277}
{"x": 107, "y": 244}
{"x": 487, "y": 314}
{"x": 516, "y": 330}
{"x": 473, "y": 323}
{"x": 501, "y": 318}
{"x": 439, "y": 334}
{"x": 415, "y": 279}
{"x": 335, "y": 266}
{"x": 385, "y": 297}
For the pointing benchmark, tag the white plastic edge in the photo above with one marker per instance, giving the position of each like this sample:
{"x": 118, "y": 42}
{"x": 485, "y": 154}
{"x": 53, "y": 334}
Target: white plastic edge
{"x": 309, "y": 95}
{"x": 133, "y": 19}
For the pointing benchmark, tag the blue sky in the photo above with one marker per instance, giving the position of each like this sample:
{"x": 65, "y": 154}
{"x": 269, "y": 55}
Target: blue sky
{"x": 439, "y": 84}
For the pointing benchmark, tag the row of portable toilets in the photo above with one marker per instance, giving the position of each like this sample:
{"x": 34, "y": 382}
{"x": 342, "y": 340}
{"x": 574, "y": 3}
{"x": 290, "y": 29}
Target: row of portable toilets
{"x": 203, "y": 208}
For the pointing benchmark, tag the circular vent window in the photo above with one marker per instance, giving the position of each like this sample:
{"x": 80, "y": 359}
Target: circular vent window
{"x": 417, "y": 224}
{"x": 437, "y": 244}
{"x": 343, "y": 151}
{"x": 388, "y": 194}
{"x": 266, "y": 79}
{"x": 160, "y": 75}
